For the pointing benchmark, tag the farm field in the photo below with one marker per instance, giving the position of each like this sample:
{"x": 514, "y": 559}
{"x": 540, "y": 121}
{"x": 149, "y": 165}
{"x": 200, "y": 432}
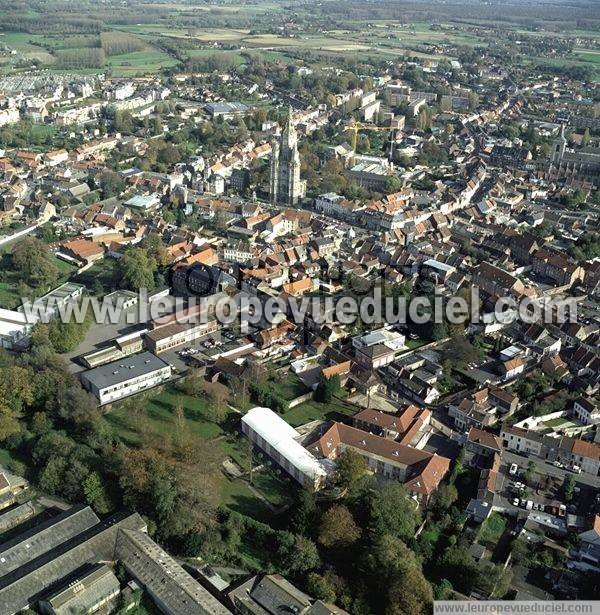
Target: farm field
{"x": 142, "y": 62}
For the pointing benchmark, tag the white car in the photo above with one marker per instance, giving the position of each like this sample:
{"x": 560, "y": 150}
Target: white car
{"x": 514, "y": 468}
{"x": 516, "y": 502}
{"x": 558, "y": 464}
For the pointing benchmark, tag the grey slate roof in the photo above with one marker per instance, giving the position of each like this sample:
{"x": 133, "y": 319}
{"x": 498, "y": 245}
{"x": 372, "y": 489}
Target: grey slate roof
{"x": 30, "y": 582}
{"x": 174, "y": 590}
{"x": 84, "y": 591}
{"x": 44, "y": 537}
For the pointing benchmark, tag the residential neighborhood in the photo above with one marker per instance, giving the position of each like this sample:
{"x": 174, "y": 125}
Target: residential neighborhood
{"x": 299, "y": 307}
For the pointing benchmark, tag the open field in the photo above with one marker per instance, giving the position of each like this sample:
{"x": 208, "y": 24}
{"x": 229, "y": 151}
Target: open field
{"x": 158, "y": 422}
{"x": 588, "y": 55}
{"x": 142, "y": 62}
{"x": 337, "y": 409}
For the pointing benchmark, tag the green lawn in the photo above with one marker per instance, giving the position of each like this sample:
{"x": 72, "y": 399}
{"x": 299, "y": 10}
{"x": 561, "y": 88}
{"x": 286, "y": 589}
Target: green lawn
{"x": 587, "y": 55}
{"x": 236, "y": 495}
{"x": 159, "y": 421}
{"x": 277, "y": 488}
{"x": 101, "y": 278}
{"x": 560, "y": 423}
{"x": 290, "y": 387}
{"x": 312, "y": 410}
{"x": 10, "y": 296}
{"x": 491, "y": 530}
{"x": 140, "y": 62}
{"x": 160, "y": 417}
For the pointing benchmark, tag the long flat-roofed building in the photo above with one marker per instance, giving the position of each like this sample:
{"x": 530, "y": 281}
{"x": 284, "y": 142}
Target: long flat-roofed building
{"x": 173, "y": 590}
{"x": 41, "y": 538}
{"x": 126, "y": 376}
{"x": 279, "y": 441}
{"x": 26, "y": 585}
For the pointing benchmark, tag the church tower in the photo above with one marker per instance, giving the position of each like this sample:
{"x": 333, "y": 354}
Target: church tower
{"x": 286, "y": 186}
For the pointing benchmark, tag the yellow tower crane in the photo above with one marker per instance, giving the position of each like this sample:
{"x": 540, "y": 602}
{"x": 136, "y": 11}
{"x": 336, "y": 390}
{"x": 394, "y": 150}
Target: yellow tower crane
{"x": 356, "y": 127}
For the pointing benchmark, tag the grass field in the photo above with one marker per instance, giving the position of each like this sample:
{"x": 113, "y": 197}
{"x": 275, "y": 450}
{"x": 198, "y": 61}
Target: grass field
{"x": 10, "y": 296}
{"x": 140, "y": 62}
{"x": 311, "y": 410}
{"x": 159, "y": 418}
{"x": 100, "y": 277}
{"x": 588, "y": 55}
{"x": 491, "y": 530}
{"x": 158, "y": 423}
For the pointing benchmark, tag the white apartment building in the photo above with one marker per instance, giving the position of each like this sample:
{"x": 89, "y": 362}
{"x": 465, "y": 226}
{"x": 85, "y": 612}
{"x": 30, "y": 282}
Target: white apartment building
{"x": 129, "y": 375}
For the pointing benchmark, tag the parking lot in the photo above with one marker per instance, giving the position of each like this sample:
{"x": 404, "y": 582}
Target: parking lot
{"x": 205, "y": 349}
{"x": 544, "y": 494}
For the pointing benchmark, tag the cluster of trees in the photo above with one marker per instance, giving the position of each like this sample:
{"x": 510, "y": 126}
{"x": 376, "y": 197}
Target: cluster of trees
{"x": 71, "y": 451}
{"x": 576, "y": 200}
{"x": 355, "y": 552}
{"x": 587, "y": 246}
{"x": 532, "y": 386}
{"x": 266, "y": 393}
{"x": 117, "y": 43}
{"x": 144, "y": 266}
{"x": 315, "y": 88}
{"x": 83, "y": 57}
{"x": 161, "y": 155}
{"x": 33, "y": 261}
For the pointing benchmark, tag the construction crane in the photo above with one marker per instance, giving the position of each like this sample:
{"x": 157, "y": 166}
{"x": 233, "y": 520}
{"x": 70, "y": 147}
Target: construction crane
{"x": 356, "y": 127}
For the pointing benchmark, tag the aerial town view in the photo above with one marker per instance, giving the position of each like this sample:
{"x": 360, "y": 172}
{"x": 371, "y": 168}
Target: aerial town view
{"x": 299, "y": 307}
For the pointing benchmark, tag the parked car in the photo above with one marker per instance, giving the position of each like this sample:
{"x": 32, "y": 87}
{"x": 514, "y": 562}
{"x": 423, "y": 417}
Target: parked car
{"x": 558, "y": 464}
{"x": 516, "y": 502}
{"x": 528, "y": 505}
{"x": 562, "y": 510}
{"x": 576, "y": 469}
{"x": 514, "y": 468}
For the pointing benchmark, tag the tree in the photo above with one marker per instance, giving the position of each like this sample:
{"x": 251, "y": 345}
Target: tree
{"x": 297, "y": 554}
{"x": 494, "y": 580}
{"x": 16, "y": 393}
{"x": 338, "y": 528}
{"x": 393, "y": 512}
{"x": 407, "y": 589}
{"x": 33, "y": 260}
{"x": 219, "y": 396}
{"x": 321, "y": 588}
{"x": 444, "y": 497}
{"x": 65, "y": 336}
{"x": 93, "y": 491}
{"x": 569, "y": 486}
{"x": 111, "y": 183}
{"x": 462, "y": 352}
{"x": 304, "y": 512}
{"x": 459, "y": 568}
{"x": 351, "y": 467}
{"x": 327, "y": 389}
{"x": 156, "y": 249}
{"x": 137, "y": 269}
{"x": 393, "y": 184}
{"x": 529, "y": 474}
